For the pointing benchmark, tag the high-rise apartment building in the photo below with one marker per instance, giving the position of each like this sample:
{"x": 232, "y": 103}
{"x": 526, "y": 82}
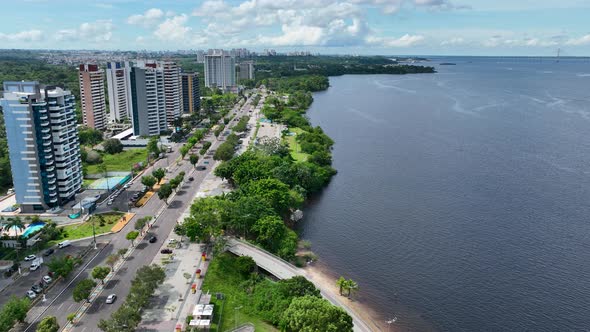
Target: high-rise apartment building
{"x": 246, "y": 70}
{"x": 200, "y": 56}
{"x": 92, "y": 96}
{"x": 148, "y": 101}
{"x": 43, "y": 144}
{"x": 119, "y": 90}
{"x": 172, "y": 90}
{"x": 191, "y": 97}
{"x": 220, "y": 70}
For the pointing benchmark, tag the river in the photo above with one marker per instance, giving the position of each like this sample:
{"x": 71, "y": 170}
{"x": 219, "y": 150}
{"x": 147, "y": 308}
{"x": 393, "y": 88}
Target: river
{"x": 461, "y": 201}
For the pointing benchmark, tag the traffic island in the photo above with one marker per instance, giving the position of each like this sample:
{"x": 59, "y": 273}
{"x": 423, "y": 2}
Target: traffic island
{"x": 122, "y": 222}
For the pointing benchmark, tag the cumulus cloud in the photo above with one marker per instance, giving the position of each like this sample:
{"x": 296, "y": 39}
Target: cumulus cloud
{"x": 298, "y": 35}
{"x": 584, "y": 40}
{"x": 27, "y": 36}
{"x": 173, "y": 29}
{"x": 403, "y": 41}
{"x": 150, "y": 18}
{"x": 393, "y": 6}
{"x": 98, "y": 31}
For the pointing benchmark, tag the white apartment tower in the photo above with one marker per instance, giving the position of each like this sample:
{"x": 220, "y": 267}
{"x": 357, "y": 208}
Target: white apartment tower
{"x": 43, "y": 144}
{"x": 148, "y": 100}
{"x": 92, "y": 96}
{"x": 119, "y": 90}
{"x": 220, "y": 70}
{"x": 172, "y": 90}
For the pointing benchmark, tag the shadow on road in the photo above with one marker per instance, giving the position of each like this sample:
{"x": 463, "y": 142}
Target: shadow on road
{"x": 175, "y": 204}
{"x": 112, "y": 284}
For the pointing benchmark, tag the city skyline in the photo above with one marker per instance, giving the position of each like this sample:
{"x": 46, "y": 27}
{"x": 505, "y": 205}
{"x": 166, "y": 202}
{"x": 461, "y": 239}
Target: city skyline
{"x": 410, "y": 27}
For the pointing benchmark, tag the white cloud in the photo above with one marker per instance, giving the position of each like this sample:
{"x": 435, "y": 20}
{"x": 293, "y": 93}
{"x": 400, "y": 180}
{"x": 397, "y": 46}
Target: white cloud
{"x": 519, "y": 41}
{"x": 150, "y": 18}
{"x": 453, "y": 41}
{"x": 295, "y": 35}
{"x": 98, "y": 31}
{"x": 584, "y": 40}
{"x": 404, "y": 41}
{"x": 173, "y": 29}
{"x": 393, "y": 6}
{"x": 27, "y": 36}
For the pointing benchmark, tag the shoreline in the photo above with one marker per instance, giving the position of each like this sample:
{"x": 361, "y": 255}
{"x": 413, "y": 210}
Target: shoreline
{"x": 323, "y": 276}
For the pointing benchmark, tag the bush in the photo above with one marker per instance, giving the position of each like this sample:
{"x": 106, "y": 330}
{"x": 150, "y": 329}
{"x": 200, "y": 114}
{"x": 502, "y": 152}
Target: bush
{"x": 112, "y": 146}
{"x": 93, "y": 158}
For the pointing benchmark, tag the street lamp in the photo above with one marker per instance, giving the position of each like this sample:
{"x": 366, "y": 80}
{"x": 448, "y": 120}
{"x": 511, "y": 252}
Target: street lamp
{"x": 391, "y": 321}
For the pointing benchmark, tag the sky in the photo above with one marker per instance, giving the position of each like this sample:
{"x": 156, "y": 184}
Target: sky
{"x": 392, "y": 27}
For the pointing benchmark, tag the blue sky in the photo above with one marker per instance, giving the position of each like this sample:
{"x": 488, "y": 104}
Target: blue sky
{"x": 428, "y": 27}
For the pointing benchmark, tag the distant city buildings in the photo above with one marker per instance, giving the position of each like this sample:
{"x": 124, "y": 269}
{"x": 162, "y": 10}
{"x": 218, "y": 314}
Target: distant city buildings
{"x": 91, "y": 79}
{"x": 148, "y": 102}
{"x": 172, "y": 90}
{"x": 246, "y": 70}
{"x": 201, "y": 56}
{"x": 220, "y": 70}
{"x": 43, "y": 144}
{"x": 119, "y": 90}
{"x": 190, "y": 93}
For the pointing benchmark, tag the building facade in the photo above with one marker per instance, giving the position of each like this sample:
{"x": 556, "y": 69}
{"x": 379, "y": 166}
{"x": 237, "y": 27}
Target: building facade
{"x": 92, "y": 96}
{"x": 246, "y": 70}
{"x": 43, "y": 144}
{"x": 119, "y": 90}
{"x": 148, "y": 102}
{"x": 172, "y": 90}
{"x": 220, "y": 71}
{"x": 191, "y": 96}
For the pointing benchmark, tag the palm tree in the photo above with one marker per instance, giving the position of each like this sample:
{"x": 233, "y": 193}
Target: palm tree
{"x": 341, "y": 283}
{"x": 15, "y": 222}
{"x": 351, "y": 285}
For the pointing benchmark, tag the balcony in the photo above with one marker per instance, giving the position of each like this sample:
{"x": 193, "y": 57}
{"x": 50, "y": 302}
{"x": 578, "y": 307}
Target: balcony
{"x": 52, "y": 187}
{"x": 53, "y": 200}
{"x": 53, "y": 193}
{"x": 51, "y": 181}
{"x": 47, "y": 150}
{"x": 46, "y": 137}
{"x": 43, "y": 117}
{"x": 48, "y": 162}
{"x": 45, "y": 130}
{"x": 50, "y": 169}
{"x": 52, "y": 102}
{"x": 51, "y": 175}
{"x": 45, "y": 123}
{"x": 45, "y": 142}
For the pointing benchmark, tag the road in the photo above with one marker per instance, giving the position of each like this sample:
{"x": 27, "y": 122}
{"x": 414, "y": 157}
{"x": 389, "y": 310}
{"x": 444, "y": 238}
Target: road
{"x": 144, "y": 252}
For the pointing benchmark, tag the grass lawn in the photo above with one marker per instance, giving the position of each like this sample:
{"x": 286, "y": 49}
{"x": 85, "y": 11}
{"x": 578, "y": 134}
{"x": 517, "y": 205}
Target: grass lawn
{"x": 120, "y": 162}
{"x": 294, "y": 145}
{"x": 82, "y": 230}
{"x": 222, "y": 278}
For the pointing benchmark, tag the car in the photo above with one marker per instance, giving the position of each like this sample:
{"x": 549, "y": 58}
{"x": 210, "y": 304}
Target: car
{"x": 191, "y": 178}
{"x": 111, "y": 298}
{"x": 126, "y": 186}
{"x": 64, "y": 244}
{"x": 31, "y": 295}
{"x": 201, "y": 168}
{"x": 153, "y": 239}
{"x": 110, "y": 202}
{"x": 34, "y": 266}
{"x": 30, "y": 257}
{"x": 166, "y": 251}
{"x": 48, "y": 252}
{"x": 36, "y": 288}
{"x": 136, "y": 195}
{"x": 47, "y": 279}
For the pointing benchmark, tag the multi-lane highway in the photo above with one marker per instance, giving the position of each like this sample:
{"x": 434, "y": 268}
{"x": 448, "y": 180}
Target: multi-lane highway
{"x": 144, "y": 252}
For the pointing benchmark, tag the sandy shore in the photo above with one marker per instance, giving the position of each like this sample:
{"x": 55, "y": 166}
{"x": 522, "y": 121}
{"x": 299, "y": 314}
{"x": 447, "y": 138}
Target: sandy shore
{"x": 322, "y": 276}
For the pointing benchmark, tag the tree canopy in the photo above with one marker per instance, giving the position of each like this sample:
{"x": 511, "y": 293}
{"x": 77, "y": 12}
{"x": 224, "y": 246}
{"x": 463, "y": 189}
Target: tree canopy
{"x": 310, "y": 313}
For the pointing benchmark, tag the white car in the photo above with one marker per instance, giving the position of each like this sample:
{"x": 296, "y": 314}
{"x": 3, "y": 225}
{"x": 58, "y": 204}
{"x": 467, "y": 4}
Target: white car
{"x": 47, "y": 279}
{"x": 31, "y": 295}
{"x": 30, "y": 257}
{"x": 34, "y": 266}
{"x": 111, "y": 298}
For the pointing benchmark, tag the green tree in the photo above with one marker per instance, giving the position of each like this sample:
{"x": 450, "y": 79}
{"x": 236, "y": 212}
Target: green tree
{"x": 184, "y": 150}
{"x": 112, "y": 260}
{"x": 152, "y": 146}
{"x": 15, "y": 310}
{"x": 89, "y": 136}
{"x": 101, "y": 272}
{"x": 273, "y": 191}
{"x": 140, "y": 224}
{"x": 298, "y": 286}
{"x": 122, "y": 252}
{"x": 351, "y": 286}
{"x": 194, "y": 159}
{"x": 341, "y": 283}
{"x": 62, "y": 266}
{"x": 83, "y": 290}
{"x": 245, "y": 265}
{"x": 148, "y": 181}
{"x": 48, "y": 324}
{"x": 131, "y": 236}
{"x": 224, "y": 152}
{"x": 70, "y": 317}
{"x": 112, "y": 146}
{"x": 15, "y": 224}
{"x": 270, "y": 230}
{"x": 159, "y": 174}
{"x": 310, "y": 313}
{"x": 164, "y": 192}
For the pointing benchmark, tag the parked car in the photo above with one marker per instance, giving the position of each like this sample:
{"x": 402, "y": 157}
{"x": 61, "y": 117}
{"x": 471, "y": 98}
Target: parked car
{"x": 36, "y": 288}
{"x": 201, "y": 168}
{"x": 31, "y": 295}
{"x": 153, "y": 239}
{"x": 166, "y": 251}
{"x": 48, "y": 252}
{"x": 47, "y": 279}
{"x": 191, "y": 178}
{"x": 34, "y": 266}
{"x": 111, "y": 298}
{"x": 30, "y": 257}
{"x": 110, "y": 202}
